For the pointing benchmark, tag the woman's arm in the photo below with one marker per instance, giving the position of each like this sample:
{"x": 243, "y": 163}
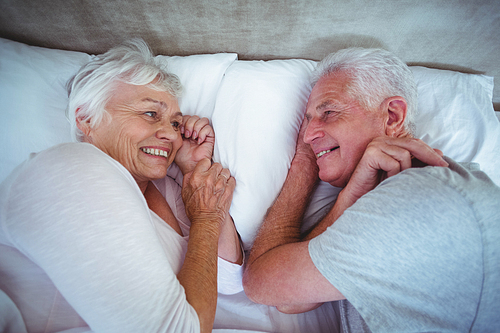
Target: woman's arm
{"x": 207, "y": 196}
{"x": 80, "y": 217}
{"x": 198, "y": 143}
{"x": 229, "y": 242}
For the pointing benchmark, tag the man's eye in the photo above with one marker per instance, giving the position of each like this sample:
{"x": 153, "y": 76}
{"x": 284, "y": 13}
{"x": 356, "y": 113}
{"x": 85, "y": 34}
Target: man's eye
{"x": 330, "y": 113}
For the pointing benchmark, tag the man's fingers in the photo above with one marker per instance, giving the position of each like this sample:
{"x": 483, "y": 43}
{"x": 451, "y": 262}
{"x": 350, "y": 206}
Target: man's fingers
{"x": 388, "y": 157}
{"x": 418, "y": 149}
{"x": 439, "y": 152}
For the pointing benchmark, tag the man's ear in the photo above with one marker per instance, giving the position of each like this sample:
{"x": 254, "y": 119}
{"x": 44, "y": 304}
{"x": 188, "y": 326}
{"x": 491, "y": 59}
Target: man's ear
{"x": 82, "y": 123}
{"x": 395, "y": 107}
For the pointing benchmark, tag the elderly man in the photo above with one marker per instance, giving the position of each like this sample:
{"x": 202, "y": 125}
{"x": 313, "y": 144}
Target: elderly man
{"x": 415, "y": 251}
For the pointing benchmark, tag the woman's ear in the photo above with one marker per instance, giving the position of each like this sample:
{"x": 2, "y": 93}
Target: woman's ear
{"x": 82, "y": 123}
{"x": 395, "y": 107}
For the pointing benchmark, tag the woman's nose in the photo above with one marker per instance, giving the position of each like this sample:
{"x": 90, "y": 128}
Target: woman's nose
{"x": 167, "y": 132}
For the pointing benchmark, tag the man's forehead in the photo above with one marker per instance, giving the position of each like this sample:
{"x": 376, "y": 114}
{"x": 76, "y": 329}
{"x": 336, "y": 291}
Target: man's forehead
{"x": 330, "y": 91}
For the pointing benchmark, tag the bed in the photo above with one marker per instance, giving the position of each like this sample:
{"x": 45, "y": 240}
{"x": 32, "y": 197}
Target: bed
{"x": 245, "y": 65}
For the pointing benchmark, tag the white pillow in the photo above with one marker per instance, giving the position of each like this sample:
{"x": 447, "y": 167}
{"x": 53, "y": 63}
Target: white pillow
{"x": 259, "y": 109}
{"x": 456, "y": 115}
{"x": 257, "y": 116}
{"x": 33, "y": 96}
{"x": 33, "y": 99}
{"x": 200, "y": 76}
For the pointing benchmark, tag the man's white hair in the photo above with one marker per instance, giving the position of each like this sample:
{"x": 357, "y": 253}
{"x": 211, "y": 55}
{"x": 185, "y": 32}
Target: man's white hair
{"x": 376, "y": 75}
{"x": 92, "y": 87}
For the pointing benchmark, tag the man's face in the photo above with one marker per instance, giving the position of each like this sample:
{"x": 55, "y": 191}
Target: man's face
{"x": 338, "y": 128}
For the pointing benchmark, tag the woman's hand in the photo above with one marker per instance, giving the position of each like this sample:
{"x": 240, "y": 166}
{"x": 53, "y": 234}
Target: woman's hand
{"x": 385, "y": 157}
{"x": 207, "y": 193}
{"x": 198, "y": 143}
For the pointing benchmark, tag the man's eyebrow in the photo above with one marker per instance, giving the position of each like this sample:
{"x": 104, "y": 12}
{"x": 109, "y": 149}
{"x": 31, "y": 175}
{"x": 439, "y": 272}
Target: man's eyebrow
{"x": 326, "y": 104}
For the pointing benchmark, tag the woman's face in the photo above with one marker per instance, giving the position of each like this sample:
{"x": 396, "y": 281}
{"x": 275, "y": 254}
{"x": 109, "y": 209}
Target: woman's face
{"x": 142, "y": 132}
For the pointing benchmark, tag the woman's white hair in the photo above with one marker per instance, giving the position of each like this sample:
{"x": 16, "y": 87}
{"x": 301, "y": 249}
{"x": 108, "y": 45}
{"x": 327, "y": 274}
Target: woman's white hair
{"x": 92, "y": 87}
{"x": 376, "y": 75}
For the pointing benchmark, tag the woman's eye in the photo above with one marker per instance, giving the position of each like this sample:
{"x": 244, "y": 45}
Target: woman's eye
{"x": 176, "y": 124}
{"x": 151, "y": 114}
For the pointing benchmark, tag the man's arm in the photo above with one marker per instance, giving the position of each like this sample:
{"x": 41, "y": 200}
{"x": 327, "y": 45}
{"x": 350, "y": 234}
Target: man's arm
{"x": 278, "y": 260}
{"x": 284, "y": 218}
{"x": 198, "y": 143}
{"x": 279, "y": 270}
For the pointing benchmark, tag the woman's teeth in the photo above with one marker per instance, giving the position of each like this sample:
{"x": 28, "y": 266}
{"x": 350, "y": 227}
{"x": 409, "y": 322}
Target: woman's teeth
{"x": 155, "y": 152}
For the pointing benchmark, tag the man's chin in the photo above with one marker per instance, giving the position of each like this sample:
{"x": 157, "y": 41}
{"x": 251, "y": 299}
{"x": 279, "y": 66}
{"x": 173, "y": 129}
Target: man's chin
{"x": 325, "y": 177}
{"x": 330, "y": 179}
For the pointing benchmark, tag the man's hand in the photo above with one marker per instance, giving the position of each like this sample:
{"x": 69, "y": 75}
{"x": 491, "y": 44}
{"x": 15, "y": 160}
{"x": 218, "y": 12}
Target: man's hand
{"x": 304, "y": 157}
{"x": 198, "y": 143}
{"x": 385, "y": 157}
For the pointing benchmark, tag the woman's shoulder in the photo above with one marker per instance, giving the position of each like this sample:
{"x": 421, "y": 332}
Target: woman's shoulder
{"x": 74, "y": 161}
{"x": 70, "y": 150}
{"x": 74, "y": 155}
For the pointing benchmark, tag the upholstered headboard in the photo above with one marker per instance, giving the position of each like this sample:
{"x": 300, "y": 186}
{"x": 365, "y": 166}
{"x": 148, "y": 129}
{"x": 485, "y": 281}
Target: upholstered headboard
{"x": 459, "y": 35}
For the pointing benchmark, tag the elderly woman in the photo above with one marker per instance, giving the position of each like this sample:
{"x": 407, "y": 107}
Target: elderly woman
{"x": 93, "y": 235}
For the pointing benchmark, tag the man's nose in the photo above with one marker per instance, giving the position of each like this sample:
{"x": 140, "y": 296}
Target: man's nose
{"x": 313, "y": 131}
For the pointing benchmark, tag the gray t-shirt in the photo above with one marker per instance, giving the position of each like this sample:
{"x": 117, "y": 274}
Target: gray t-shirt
{"x": 421, "y": 252}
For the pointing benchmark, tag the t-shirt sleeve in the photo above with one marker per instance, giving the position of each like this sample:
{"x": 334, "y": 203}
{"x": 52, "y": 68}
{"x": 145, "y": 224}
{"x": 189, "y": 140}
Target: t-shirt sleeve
{"x": 80, "y": 216}
{"x": 400, "y": 254}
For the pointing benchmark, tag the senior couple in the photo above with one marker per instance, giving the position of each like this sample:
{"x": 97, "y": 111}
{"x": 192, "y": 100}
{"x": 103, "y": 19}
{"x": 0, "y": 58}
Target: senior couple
{"x": 94, "y": 235}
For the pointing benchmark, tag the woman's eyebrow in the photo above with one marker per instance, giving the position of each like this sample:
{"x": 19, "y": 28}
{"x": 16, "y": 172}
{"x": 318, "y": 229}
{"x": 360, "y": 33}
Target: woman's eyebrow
{"x": 161, "y": 104}
{"x": 151, "y": 100}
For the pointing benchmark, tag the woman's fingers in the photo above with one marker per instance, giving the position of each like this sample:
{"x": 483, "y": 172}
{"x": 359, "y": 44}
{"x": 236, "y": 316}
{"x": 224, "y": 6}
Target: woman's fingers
{"x": 208, "y": 191}
{"x": 196, "y": 128}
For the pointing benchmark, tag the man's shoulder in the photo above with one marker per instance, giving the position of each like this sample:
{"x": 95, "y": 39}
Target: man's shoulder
{"x": 462, "y": 177}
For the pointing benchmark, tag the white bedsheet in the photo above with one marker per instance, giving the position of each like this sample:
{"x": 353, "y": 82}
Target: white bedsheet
{"x": 236, "y": 313}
